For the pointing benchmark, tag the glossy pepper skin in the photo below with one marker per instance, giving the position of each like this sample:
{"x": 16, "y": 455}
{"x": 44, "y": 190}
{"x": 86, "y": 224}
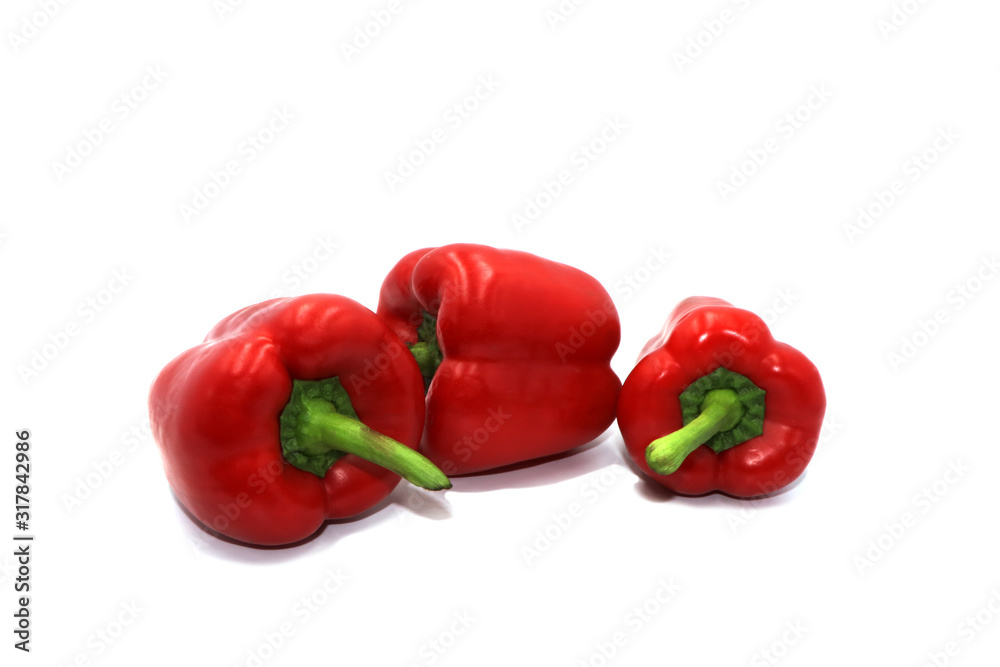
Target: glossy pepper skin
{"x": 701, "y": 335}
{"x": 525, "y": 348}
{"x": 215, "y": 412}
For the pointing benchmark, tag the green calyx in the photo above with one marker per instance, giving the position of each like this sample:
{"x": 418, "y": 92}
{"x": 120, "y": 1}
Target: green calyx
{"x": 298, "y": 442}
{"x": 426, "y": 351}
{"x": 751, "y": 398}
{"x": 319, "y": 425}
{"x": 722, "y": 409}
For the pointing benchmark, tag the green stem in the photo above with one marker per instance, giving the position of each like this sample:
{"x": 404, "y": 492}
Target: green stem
{"x": 427, "y": 357}
{"x": 321, "y": 429}
{"x": 720, "y": 411}
{"x": 426, "y": 350}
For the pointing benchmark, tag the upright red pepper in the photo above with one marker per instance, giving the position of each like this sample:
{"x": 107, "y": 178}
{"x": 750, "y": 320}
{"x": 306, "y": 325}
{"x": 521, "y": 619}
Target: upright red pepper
{"x": 715, "y": 403}
{"x": 292, "y": 411}
{"x": 515, "y": 351}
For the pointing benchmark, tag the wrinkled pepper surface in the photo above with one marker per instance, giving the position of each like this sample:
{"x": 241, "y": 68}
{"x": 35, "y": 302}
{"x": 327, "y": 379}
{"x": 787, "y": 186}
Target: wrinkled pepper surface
{"x": 515, "y": 351}
{"x": 716, "y": 404}
{"x": 291, "y": 412}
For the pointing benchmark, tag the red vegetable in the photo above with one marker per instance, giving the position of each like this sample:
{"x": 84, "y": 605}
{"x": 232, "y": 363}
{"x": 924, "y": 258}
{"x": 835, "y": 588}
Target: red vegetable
{"x": 255, "y": 424}
{"x": 515, "y": 350}
{"x": 715, "y": 403}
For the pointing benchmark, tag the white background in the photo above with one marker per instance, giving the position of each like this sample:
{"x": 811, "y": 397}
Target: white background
{"x": 823, "y": 574}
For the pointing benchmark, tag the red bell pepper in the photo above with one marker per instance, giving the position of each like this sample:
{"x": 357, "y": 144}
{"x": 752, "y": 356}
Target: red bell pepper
{"x": 515, "y": 351}
{"x": 715, "y": 403}
{"x": 291, "y": 412}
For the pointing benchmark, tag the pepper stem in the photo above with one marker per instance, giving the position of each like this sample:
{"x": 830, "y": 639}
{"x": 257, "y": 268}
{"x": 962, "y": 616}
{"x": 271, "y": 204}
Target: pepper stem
{"x": 426, "y": 350}
{"x": 321, "y": 429}
{"x": 720, "y": 411}
{"x": 319, "y": 425}
{"x": 427, "y": 358}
